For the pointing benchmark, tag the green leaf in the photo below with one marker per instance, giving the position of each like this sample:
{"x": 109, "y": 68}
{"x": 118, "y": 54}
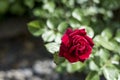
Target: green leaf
{"x": 59, "y": 12}
{"x": 103, "y": 54}
{"x": 115, "y": 45}
{"x": 92, "y": 10}
{"x": 62, "y": 26}
{"x": 50, "y": 6}
{"x": 74, "y": 67}
{"x": 81, "y": 1}
{"x": 106, "y": 44}
{"x": 48, "y": 35}
{"x": 77, "y": 14}
{"x": 40, "y": 13}
{"x": 117, "y": 37}
{"x": 52, "y": 47}
{"x": 90, "y": 31}
{"x": 58, "y": 60}
{"x": 58, "y": 38}
{"x": 68, "y": 3}
{"x": 36, "y": 27}
{"x": 106, "y": 33}
{"x": 110, "y": 73}
{"x": 87, "y": 21}
{"x": 61, "y": 67}
{"x": 29, "y": 3}
{"x": 34, "y": 24}
{"x": 93, "y": 66}
{"x": 115, "y": 59}
{"x": 97, "y": 61}
{"x": 71, "y": 3}
{"x": 74, "y": 23}
{"x": 110, "y": 4}
{"x": 4, "y": 4}
{"x": 52, "y": 23}
{"x": 96, "y": 1}
{"x": 119, "y": 77}
{"x": 92, "y": 76}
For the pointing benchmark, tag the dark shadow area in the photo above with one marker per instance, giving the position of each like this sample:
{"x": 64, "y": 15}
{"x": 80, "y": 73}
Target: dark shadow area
{"x": 18, "y": 48}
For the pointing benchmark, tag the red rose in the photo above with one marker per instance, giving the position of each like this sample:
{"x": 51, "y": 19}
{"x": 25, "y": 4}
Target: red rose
{"x": 76, "y": 45}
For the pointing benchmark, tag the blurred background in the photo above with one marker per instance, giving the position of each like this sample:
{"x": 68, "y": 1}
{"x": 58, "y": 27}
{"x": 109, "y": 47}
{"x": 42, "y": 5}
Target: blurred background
{"x": 27, "y": 25}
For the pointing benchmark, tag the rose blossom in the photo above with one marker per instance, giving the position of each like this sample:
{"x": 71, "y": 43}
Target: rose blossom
{"x": 76, "y": 45}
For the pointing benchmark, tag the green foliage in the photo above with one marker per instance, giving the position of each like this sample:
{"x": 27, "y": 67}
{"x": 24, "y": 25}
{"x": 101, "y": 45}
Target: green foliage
{"x": 52, "y": 47}
{"x": 93, "y": 76}
{"x": 93, "y": 66}
{"x": 77, "y": 14}
{"x": 96, "y": 16}
{"x": 111, "y": 73}
{"x": 58, "y": 59}
{"x": 117, "y": 37}
{"x": 107, "y": 44}
{"x": 106, "y": 32}
{"x": 29, "y": 3}
{"x": 48, "y": 36}
{"x": 111, "y": 4}
{"x": 74, "y": 67}
{"x": 3, "y": 6}
{"x": 36, "y": 27}
{"x": 74, "y": 23}
{"x": 62, "y": 26}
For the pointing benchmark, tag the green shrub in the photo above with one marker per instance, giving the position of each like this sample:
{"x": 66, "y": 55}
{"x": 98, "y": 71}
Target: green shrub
{"x": 98, "y": 17}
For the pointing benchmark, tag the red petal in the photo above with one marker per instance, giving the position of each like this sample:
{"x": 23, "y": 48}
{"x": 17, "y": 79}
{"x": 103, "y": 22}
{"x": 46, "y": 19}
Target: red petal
{"x": 71, "y": 58}
{"x": 78, "y": 32}
{"x": 89, "y": 40}
{"x": 62, "y": 50}
{"x": 65, "y": 38}
{"x": 86, "y": 54}
{"x": 82, "y": 32}
{"x": 68, "y": 31}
